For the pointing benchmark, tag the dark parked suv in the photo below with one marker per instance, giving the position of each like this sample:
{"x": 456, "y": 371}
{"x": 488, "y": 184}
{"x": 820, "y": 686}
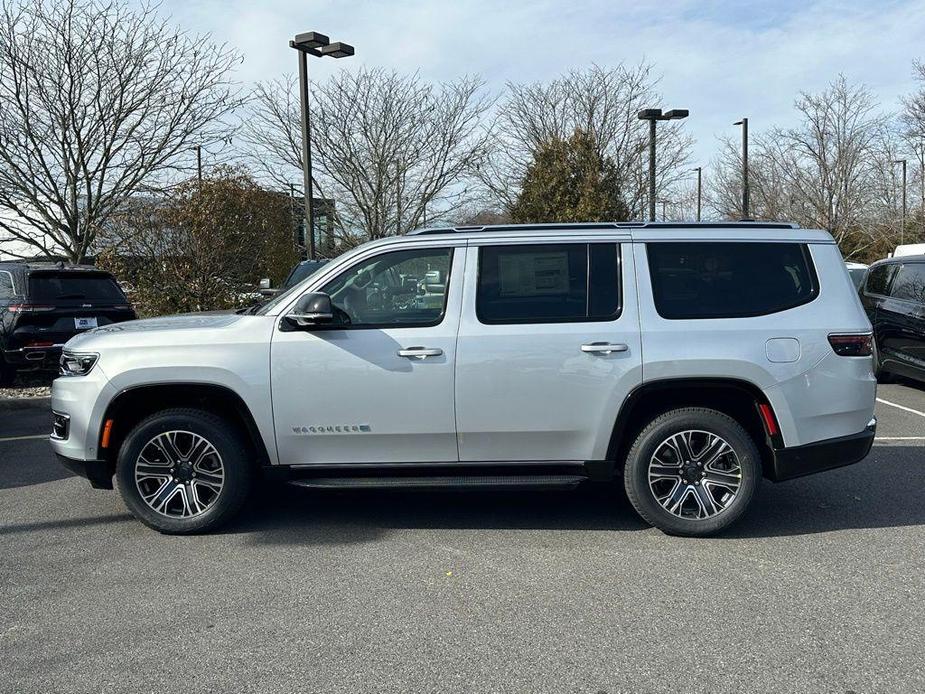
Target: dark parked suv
{"x": 894, "y": 297}
{"x": 43, "y": 305}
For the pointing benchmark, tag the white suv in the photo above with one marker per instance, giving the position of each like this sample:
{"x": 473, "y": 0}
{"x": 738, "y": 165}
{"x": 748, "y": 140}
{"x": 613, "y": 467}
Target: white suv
{"x": 689, "y": 359}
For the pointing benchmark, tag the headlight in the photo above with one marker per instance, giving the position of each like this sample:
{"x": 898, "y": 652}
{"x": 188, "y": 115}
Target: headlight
{"x": 77, "y": 363}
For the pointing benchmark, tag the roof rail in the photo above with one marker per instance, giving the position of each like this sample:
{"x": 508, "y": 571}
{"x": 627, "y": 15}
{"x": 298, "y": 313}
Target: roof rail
{"x": 586, "y": 226}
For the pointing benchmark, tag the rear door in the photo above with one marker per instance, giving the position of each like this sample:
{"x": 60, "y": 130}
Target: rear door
{"x": 61, "y": 303}
{"x": 548, "y": 347}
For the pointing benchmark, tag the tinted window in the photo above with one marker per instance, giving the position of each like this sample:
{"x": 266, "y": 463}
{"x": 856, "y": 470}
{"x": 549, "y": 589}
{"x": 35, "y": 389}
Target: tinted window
{"x": 6, "y": 285}
{"x": 400, "y": 289}
{"x": 910, "y": 283}
{"x": 729, "y": 280}
{"x": 878, "y": 279}
{"x": 48, "y": 286}
{"x": 548, "y": 283}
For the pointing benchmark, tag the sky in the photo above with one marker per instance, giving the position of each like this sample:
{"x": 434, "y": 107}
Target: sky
{"x": 720, "y": 59}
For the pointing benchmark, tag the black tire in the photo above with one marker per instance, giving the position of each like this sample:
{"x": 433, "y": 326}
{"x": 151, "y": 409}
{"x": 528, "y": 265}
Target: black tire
{"x": 236, "y": 464}
{"x": 7, "y": 373}
{"x": 642, "y": 496}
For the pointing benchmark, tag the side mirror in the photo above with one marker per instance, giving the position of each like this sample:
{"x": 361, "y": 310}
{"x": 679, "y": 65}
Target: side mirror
{"x": 311, "y": 309}
{"x": 264, "y": 283}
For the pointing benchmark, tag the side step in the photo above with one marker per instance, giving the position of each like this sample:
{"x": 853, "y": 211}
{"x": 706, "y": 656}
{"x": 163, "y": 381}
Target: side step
{"x": 444, "y": 482}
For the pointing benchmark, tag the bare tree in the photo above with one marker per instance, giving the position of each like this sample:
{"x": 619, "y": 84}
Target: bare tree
{"x": 603, "y": 102}
{"x": 831, "y": 171}
{"x": 98, "y": 100}
{"x": 913, "y": 124}
{"x": 393, "y": 151}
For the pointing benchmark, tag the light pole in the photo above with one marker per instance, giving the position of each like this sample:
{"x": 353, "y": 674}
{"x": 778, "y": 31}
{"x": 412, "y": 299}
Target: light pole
{"x": 699, "y": 171}
{"x": 652, "y": 115}
{"x": 318, "y": 45}
{"x": 902, "y": 229}
{"x": 744, "y": 124}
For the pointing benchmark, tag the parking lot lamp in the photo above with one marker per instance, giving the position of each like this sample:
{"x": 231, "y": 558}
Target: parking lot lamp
{"x": 652, "y": 115}
{"x": 902, "y": 228}
{"x": 699, "y": 171}
{"x": 745, "y": 200}
{"x": 318, "y": 45}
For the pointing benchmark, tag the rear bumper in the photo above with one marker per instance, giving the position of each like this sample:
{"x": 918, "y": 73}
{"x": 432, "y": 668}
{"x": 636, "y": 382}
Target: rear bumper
{"x": 34, "y": 357}
{"x": 819, "y": 456}
{"x": 99, "y": 472}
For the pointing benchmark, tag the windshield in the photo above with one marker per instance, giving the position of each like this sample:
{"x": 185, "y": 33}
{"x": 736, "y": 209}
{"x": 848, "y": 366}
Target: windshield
{"x": 302, "y": 271}
{"x": 47, "y": 286}
{"x": 299, "y": 273}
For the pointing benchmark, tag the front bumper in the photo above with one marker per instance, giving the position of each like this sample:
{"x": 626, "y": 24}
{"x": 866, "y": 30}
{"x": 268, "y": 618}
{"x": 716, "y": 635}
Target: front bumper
{"x": 99, "y": 472}
{"x": 797, "y": 461}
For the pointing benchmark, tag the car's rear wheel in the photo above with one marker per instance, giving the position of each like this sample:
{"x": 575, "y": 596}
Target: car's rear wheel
{"x": 184, "y": 471}
{"x": 692, "y": 471}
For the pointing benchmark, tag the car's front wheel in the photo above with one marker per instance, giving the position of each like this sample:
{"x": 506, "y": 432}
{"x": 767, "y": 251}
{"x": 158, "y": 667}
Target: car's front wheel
{"x": 692, "y": 471}
{"x": 184, "y": 471}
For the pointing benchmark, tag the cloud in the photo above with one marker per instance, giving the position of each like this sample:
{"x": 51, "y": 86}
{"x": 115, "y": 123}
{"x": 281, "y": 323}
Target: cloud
{"x": 720, "y": 59}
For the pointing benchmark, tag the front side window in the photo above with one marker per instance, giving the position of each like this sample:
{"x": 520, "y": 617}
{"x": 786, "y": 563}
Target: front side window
{"x": 548, "y": 283}
{"x": 909, "y": 284}
{"x": 729, "y": 279}
{"x": 6, "y": 285}
{"x": 393, "y": 290}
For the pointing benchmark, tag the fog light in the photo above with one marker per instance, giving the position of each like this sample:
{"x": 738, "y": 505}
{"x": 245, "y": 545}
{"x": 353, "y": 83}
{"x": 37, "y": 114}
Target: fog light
{"x": 60, "y": 426}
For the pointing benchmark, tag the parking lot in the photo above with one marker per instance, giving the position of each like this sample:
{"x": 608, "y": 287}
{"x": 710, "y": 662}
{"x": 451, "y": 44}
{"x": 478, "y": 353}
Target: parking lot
{"x": 820, "y": 589}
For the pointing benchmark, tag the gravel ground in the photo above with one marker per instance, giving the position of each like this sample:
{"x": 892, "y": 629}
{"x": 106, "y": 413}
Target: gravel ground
{"x": 29, "y": 384}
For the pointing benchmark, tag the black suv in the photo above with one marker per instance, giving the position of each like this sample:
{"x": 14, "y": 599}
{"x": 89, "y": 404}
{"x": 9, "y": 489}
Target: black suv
{"x": 893, "y": 295}
{"x": 43, "y": 305}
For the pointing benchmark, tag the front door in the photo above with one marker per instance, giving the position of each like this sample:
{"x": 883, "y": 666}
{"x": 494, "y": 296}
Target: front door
{"x": 549, "y": 347}
{"x": 378, "y": 385}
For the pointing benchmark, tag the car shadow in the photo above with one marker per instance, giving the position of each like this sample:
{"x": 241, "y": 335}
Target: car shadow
{"x": 882, "y": 491}
{"x": 283, "y": 514}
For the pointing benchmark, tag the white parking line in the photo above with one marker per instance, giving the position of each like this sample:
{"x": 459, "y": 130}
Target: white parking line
{"x": 900, "y": 438}
{"x": 24, "y": 438}
{"x": 901, "y": 407}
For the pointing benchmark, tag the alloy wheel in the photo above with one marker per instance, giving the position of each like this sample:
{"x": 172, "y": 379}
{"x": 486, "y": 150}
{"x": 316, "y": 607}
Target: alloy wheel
{"x": 179, "y": 474}
{"x": 694, "y": 474}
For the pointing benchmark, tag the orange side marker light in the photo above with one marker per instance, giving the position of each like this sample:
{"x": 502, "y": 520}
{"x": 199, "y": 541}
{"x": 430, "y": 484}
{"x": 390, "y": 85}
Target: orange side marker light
{"x": 107, "y": 430}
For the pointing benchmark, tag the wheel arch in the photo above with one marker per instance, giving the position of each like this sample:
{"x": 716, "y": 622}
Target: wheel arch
{"x": 737, "y": 398}
{"x": 134, "y": 403}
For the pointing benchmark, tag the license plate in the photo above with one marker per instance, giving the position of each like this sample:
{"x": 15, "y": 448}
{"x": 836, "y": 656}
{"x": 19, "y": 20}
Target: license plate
{"x": 85, "y": 323}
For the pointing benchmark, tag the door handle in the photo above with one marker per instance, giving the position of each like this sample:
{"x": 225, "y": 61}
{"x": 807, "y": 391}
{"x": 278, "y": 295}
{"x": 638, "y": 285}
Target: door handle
{"x": 604, "y": 347}
{"x": 420, "y": 352}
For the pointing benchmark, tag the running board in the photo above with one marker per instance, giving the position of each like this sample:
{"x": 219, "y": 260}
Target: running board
{"x": 444, "y": 482}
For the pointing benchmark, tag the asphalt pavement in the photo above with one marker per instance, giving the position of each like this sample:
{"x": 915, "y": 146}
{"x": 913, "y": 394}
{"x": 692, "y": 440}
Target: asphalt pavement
{"x": 820, "y": 589}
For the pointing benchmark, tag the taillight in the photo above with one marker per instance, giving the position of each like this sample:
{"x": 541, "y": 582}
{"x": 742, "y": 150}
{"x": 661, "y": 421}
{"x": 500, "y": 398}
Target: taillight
{"x": 29, "y": 308}
{"x": 852, "y": 345}
{"x": 40, "y": 343}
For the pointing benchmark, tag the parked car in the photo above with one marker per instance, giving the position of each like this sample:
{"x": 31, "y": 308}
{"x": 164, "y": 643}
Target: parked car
{"x": 857, "y": 271}
{"x": 908, "y": 249}
{"x": 298, "y": 273}
{"x": 894, "y": 298}
{"x": 43, "y": 305}
{"x": 689, "y": 359}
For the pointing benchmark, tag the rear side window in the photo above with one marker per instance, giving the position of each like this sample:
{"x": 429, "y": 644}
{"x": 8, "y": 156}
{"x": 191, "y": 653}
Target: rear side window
{"x": 910, "y": 283}
{"x": 548, "y": 283}
{"x": 49, "y": 286}
{"x": 729, "y": 280}
{"x": 879, "y": 278}
{"x": 6, "y": 285}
